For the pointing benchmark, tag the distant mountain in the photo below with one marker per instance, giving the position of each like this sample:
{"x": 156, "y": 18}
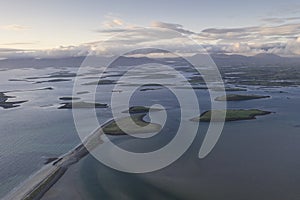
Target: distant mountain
{"x": 219, "y": 59}
{"x": 133, "y": 61}
{"x": 259, "y": 59}
{"x": 267, "y": 55}
{"x": 41, "y": 63}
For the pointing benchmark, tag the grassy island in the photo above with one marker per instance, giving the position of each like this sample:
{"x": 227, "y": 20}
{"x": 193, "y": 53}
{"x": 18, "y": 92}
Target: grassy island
{"x": 140, "y": 109}
{"x": 239, "y": 97}
{"x": 231, "y": 115}
{"x": 111, "y": 128}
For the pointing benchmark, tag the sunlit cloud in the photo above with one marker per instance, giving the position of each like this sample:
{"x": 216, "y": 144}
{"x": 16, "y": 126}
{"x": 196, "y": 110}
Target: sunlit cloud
{"x": 176, "y": 27}
{"x": 14, "y": 27}
{"x": 18, "y": 43}
{"x": 120, "y": 36}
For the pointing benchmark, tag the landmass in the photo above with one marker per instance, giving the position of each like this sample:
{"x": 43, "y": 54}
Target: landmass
{"x": 53, "y": 80}
{"x": 101, "y": 82}
{"x": 231, "y": 115}
{"x": 140, "y": 109}
{"x": 83, "y": 92}
{"x": 61, "y": 74}
{"x": 68, "y": 98}
{"x": 229, "y": 89}
{"x": 147, "y": 89}
{"x": 239, "y": 97}
{"x": 113, "y": 129}
{"x": 5, "y": 104}
{"x": 82, "y": 104}
{"x": 41, "y": 181}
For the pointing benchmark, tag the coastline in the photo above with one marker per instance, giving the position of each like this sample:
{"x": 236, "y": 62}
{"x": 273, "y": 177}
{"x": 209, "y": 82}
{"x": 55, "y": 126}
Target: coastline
{"x": 40, "y": 182}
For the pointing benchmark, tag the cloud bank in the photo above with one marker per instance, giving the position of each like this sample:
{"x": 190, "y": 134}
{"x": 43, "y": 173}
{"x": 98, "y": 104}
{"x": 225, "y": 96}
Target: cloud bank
{"x": 280, "y": 36}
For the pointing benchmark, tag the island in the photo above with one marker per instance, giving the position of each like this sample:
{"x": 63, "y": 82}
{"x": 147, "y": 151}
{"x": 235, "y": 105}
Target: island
{"x": 6, "y": 105}
{"x": 111, "y": 128}
{"x": 239, "y": 97}
{"x": 101, "y": 82}
{"x": 82, "y": 104}
{"x": 53, "y": 80}
{"x": 68, "y": 98}
{"x": 231, "y": 115}
{"x": 42, "y": 180}
{"x": 140, "y": 109}
{"x": 146, "y": 89}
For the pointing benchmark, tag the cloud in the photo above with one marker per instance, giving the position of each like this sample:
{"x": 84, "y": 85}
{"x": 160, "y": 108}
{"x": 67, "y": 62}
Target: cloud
{"x": 60, "y": 52}
{"x": 113, "y": 23}
{"x": 285, "y": 29}
{"x": 8, "y": 50}
{"x": 283, "y": 39}
{"x": 14, "y": 27}
{"x": 18, "y": 43}
{"x": 176, "y": 27}
{"x": 279, "y": 20}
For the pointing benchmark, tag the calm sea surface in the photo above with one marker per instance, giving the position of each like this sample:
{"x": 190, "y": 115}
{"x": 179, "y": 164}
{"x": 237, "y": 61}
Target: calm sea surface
{"x": 254, "y": 159}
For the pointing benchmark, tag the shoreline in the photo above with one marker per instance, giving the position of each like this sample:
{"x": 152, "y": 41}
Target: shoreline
{"x": 36, "y": 185}
{"x": 41, "y": 181}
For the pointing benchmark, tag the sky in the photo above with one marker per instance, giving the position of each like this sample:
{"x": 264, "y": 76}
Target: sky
{"x": 35, "y": 27}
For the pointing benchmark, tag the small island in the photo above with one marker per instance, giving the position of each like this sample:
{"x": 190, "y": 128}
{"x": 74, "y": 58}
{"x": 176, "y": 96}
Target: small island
{"x": 6, "y": 105}
{"x": 101, "y": 82}
{"x": 53, "y": 80}
{"x": 231, "y": 115}
{"x": 68, "y": 98}
{"x": 82, "y": 104}
{"x": 147, "y": 89}
{"x": 229, "y": 89}
{"x": 239, "y": 97}
{"x": 140, "y": 109}
{"x": 111, "y": 128}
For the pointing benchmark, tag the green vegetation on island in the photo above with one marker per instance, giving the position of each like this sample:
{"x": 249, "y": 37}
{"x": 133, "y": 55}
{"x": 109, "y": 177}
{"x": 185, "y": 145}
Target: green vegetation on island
{"x": 204, "y": 87}
{"x": 239, "y": 97}
{"x": 111, "y": 128}
{"x": 230, "y": 115}
{"x": 140, "y": 109}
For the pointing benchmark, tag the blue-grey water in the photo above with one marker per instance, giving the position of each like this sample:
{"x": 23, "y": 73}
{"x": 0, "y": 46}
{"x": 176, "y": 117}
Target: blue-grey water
{"x": 254, "y": 159}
